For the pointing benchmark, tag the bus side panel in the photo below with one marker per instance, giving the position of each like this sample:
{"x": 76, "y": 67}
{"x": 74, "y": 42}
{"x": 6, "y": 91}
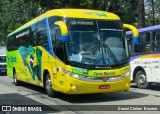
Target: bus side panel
{"x": 10, "y": 64}
{"x": 25, "y": 64}
{"x": 144, "y": 63}
{"x": 148, "y": 73}
{"x": 30, "y": 64}
{"x": 13, "y": 62}
{"x": 45, "y": 62}
{"x": 60, "y": 77}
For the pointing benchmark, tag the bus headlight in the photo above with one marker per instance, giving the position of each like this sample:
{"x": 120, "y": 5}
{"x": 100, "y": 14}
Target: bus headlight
{"x": 76, "y": 76}
{"x": 73, "y": 75}
{"x": 126, "y": 74}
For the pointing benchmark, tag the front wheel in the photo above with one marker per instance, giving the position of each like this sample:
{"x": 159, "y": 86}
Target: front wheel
{"x": 141, "y": 80}
{"x": 48, "y": 87}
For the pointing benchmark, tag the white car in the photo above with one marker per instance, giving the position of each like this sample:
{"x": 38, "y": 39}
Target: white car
{"x": 2, "y": 64}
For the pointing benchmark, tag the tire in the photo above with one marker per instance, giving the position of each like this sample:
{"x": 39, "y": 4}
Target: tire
{"x": 141, "y": 80}
{"x": 48, "y": 87}
{"x": 16, "y": 82}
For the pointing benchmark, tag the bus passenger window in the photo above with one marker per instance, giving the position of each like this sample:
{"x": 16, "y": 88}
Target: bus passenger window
{"x": 59, "y": 48}
{"x": 156, "y": 41}
{"x": 129, "y": 40}
{"x": 10, "y": 43}
{"x": 144, "y": 45}
{"x": 42, "y": 34}
{"x": 140, "y": 48}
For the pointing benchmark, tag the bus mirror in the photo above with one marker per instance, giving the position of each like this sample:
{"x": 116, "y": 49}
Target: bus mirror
{"x": 134, "y": 30}
{"x": 64, "y": 30}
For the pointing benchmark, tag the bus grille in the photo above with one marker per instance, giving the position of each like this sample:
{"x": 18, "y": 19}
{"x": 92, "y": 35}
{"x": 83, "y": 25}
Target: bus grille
{"x": 2, "y": 66}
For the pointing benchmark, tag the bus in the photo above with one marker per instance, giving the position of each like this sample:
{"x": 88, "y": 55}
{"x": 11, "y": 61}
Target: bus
{"x": 145, "y": 56}
{"x": 71, "y": 51}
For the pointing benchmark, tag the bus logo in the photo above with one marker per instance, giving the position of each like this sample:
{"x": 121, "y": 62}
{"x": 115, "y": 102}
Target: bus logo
{"x": 95, "y": 13}
{"x": 105, "y": 79}
{"x": 6, "y": 108}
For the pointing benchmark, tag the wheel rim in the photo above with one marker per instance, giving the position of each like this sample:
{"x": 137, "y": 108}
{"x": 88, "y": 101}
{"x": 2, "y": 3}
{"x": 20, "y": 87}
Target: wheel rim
{"x": 48, "y": 85}
{"x": 142, "y": 79}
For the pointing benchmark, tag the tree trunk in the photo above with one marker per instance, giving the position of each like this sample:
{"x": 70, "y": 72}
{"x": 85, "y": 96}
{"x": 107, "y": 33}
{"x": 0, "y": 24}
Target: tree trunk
{"x": 153, "y": 21}
{"x": 141, "y": 14}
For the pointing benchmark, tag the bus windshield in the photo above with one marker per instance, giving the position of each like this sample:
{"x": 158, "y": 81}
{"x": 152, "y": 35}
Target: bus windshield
{"x": 96, "y": 42}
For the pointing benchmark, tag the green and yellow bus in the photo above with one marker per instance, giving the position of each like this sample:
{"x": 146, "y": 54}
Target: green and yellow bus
{"x": 72, "y": 51}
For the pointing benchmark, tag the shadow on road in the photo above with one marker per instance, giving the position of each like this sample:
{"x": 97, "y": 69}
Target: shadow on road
{"x": 16, "y": 99}
{"x": 91, "y": 98}
{"x": 86, "y": 98}
{"x": 105, "y": 97}
{"x": 153, "y": 86}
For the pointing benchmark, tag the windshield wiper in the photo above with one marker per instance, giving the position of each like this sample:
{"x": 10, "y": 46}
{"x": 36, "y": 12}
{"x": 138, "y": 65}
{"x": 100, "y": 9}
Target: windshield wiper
{"x": 111, "y": 54}
{"x": 97, "y": 47}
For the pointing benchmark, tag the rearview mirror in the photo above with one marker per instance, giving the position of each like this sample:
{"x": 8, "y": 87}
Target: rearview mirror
{"x": 64, "y": 30}
{"x": 134, "y": 30}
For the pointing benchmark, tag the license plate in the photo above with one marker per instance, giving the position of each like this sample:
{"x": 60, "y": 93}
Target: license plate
{"x": 104, "y": 86}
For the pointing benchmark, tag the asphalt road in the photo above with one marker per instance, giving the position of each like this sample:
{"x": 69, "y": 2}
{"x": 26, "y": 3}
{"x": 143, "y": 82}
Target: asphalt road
{"x": 120, "y": 102}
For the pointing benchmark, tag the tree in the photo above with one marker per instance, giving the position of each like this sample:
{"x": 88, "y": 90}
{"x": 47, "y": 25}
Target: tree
{"x": 141, "y": 14}
{"x": 127, "y": 10}
{"x": 152, "y": 8}
{"x": 15, "y": 13}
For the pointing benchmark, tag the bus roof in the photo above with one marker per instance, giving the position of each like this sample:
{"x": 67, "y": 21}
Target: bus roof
{"x": 73, "y": 13}
{"x": 151, "y": 28}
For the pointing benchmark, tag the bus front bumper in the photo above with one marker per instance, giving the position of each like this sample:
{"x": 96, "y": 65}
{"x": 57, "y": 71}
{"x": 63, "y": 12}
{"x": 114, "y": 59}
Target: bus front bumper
{"x": 75, "y": 86}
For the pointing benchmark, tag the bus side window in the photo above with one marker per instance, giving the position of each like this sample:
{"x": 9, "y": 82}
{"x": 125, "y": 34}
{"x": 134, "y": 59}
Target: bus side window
{"x": 42, "y": 38}
{"x": 147, "y": 43}
{"x": 33, "y": 34}
{"x": 144, "y": 44}
{"x": 156, "y": 41}
{"x": 129, "y": 40}
{"x": 10, "y": 43}
{"x": 52, "y": 28}
{"x": 140, "y": 48}
{"x": 53, "y": 39}
{"x": 17, "y": 41}
{"x": 59, "y": 45}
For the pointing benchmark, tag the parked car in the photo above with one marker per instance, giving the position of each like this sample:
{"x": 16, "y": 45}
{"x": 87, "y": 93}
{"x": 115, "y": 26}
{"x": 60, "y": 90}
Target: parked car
{"x": 2, "y": 64}
{"x": 3, "y": 60}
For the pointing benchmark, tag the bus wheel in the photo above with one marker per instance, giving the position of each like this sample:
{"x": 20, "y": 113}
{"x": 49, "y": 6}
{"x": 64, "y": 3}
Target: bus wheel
{"x": 48, "y": 87}
{"x": 16, "y": 82}
{"x": 141, "y": 80}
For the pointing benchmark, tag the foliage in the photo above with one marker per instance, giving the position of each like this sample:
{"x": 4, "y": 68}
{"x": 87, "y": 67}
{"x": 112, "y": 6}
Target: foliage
{"x": 15, "y": 13}
{"x": 152, "y": 13}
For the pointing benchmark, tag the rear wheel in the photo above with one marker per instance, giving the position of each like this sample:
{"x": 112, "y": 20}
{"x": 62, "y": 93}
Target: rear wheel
{"x": 141, "y": 80}
{"x": 16, "y": 82}
{"x": 48, "y": 87}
